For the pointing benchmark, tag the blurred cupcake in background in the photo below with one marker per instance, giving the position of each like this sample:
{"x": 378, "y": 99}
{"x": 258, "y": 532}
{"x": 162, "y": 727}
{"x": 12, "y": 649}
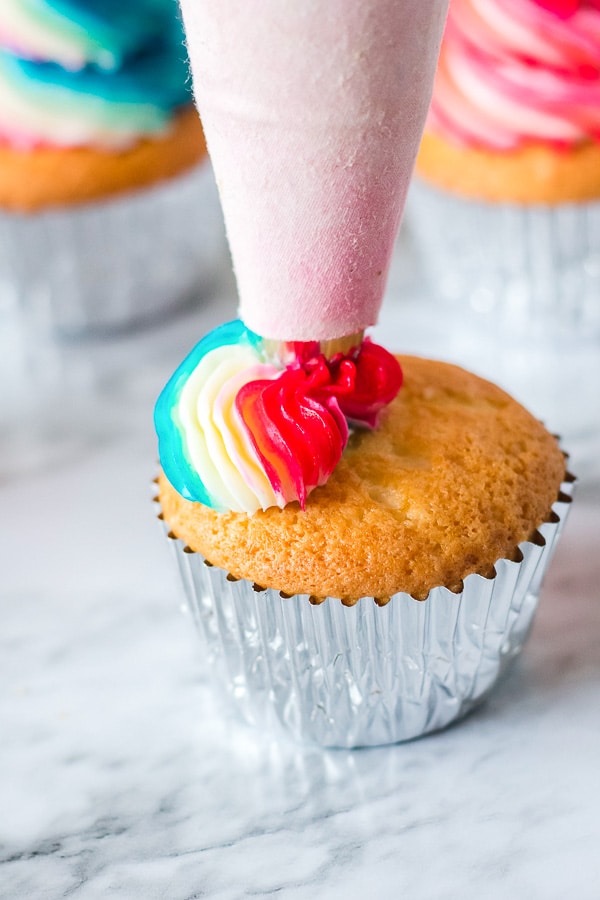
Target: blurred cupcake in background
{"x": 505, "y": 207}
{"x": 108, "y": 212}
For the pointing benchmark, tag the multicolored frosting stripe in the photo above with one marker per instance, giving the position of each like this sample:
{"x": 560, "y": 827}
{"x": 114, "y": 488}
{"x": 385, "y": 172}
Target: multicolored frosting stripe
{"x": 237, "y": 432}
{"x": 75, "y": 33}
{"x": 89, "y": 72}
{"x": 518, "y": 71}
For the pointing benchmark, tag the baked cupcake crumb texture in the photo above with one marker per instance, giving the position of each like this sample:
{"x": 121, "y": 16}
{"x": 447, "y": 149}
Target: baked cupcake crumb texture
{"x": 53, "y": 176}
{"x": 457, "y": 475}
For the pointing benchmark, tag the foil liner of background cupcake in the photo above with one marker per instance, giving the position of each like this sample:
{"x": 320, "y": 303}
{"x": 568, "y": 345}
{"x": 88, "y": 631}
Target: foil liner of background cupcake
{"x": 366, "y": 674}
{"x": 109, "y": 265}
{"x": 518, "y": 288}
{"x": 535, "y": 269}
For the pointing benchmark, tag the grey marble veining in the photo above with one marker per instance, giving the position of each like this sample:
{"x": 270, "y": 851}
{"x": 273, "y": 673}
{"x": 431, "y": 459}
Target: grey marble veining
{"x": 120, "y": 777}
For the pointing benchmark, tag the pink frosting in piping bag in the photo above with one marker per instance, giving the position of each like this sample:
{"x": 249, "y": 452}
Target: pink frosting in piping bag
{"x": 313, "y": 113}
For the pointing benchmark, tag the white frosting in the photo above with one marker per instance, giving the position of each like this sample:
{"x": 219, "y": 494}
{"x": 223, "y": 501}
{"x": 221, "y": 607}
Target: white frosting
{"x": 52, "y": 37}
{"x": 57, "y": 122}
{"x": 217, "y": 441}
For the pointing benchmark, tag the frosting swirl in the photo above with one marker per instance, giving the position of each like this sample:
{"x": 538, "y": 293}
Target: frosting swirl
{"x": 519, "y": 71}
{"x": 101, "y": 73}
{"x": 239, "y": 433}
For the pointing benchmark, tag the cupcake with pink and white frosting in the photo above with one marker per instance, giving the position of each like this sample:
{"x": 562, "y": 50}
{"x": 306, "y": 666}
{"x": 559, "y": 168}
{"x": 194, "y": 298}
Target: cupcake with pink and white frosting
{"x": 505, "y": 208}
{"x": 518, "y": 81}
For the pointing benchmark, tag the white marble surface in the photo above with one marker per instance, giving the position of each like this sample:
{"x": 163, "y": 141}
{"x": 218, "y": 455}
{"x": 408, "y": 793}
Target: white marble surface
{"x": 119, "y": 777}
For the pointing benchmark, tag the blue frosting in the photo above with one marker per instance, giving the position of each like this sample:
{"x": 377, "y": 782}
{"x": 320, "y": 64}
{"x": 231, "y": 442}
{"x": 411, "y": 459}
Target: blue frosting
{"x": 119, "y": 26}
{"x": 145, "y": 38}
{"x": 172, "y": 449}
{"x": 157, "y": 76}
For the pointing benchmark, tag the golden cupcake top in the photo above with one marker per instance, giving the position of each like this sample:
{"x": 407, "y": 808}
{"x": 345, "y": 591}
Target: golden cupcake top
{"x": 457, "y": 475}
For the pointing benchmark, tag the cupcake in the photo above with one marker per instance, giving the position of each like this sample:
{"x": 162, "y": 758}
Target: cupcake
{"x": 107, "y": 209}
{"x": 361, "y": 538}
{"x": 505, "y": 207}
{"x": 392, "y": 601}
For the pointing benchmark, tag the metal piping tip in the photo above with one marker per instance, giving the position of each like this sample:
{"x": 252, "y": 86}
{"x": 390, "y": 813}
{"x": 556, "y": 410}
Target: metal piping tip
{"x": 287, "y": 352}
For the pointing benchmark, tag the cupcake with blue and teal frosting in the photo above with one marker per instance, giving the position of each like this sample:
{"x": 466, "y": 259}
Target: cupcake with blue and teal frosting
{"x": 96, "y": 115}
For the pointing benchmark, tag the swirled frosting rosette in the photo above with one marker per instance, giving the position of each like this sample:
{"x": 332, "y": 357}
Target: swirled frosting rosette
{"x": 239, "y": 432}
{"x": 505, "y": 213}
{"x": 516, "y": 71}
{"x": 99, "y": 73}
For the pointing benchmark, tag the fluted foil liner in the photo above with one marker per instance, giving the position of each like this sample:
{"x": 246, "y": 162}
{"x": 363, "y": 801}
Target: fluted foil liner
{"x": 352, "y": 676}
{"x": 108, "y": 265}
{"x": 516, "y": 295}
{"x": 535, "y": 268}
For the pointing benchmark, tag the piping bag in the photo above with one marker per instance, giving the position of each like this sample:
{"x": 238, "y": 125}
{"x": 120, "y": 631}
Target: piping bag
{"x": 313, "y": 113}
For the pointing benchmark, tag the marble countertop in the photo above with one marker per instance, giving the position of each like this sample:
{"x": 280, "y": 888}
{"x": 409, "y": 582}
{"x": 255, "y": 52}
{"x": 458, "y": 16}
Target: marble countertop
{"x": 119, "y": 776}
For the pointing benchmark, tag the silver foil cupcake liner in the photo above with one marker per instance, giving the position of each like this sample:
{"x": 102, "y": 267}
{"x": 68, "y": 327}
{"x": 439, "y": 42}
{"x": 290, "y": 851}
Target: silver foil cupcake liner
{"x": 112, "y": 264}
{"x": 515, "y": 292}
{"x": 366, "y": 674}
{"x": 526, "y": 270}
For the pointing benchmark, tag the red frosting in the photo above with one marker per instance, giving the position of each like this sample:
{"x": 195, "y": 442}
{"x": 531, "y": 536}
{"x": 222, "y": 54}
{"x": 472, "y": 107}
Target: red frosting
{"x": 297, "y": 422}
{"x": 564, "y": 9}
